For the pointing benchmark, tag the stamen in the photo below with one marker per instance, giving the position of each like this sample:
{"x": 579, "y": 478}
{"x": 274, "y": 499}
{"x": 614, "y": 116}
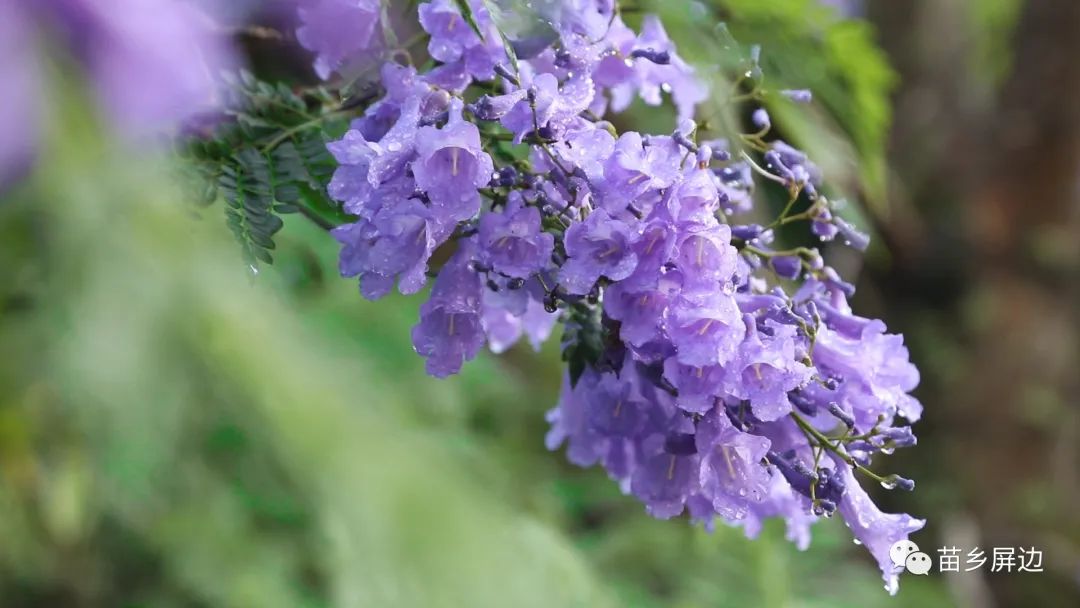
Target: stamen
{"x": 454, "y": 152}
{"x": 652, "y": 243}
{"x": 705, "y": 327}
{"x": 638, "y": 178}
{"x": 450, "y": 330}
{"x": 671, "y": 469}
{"x": 609, "y": 251}
{"x": 618, "y": 409}
{"x": 727, "y": 459}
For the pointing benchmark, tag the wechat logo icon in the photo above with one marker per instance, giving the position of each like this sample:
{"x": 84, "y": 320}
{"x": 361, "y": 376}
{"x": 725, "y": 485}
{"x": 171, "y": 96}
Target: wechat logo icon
{"x": 905, "y": 554}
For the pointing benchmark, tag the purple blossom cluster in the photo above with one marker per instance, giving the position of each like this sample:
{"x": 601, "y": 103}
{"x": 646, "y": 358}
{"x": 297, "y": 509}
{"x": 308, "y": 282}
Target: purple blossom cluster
{"x": 710, "y": 370}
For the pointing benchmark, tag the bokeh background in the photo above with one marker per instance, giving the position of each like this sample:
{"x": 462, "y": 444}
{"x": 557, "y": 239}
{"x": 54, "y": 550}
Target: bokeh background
{"x": 176, "y": 431}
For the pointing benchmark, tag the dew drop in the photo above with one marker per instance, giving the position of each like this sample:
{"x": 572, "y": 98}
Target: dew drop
{"x": 393, "y": 146}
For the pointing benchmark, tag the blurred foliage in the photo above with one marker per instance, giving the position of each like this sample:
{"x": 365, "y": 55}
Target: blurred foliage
{"x": 993, "y": 22}
{"x": 175, "y": 431}
{"x": 806, "y": 45}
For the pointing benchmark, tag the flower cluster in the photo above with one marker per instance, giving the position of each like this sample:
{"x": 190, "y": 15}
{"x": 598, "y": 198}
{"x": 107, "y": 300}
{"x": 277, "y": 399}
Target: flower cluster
{"x": 710, "y": 370}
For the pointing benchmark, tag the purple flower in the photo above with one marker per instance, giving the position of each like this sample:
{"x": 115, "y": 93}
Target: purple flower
{"x": 669, "y": 471}
{"x": 649, "y": 79}
{"x": 495, "y": 107}
{"x": 635, "y": 169}
{"x": 877, "y": 372}
{"x": 451, "y": 165}
{"x": 781, "y": 501}
{"x": 705, "y": 255}
{"x": 350, "y": 183}
{"x": 732, "y": 474}
{"x": 877, "y": 531}
{"x": 587, "y": 147}
{"x": 654, "y": 248}
{"x": 151, "y": 63}
{"x": 19, "y": 115}
{"x": 512, "y": 243}
{"x": 454, "y": 43}
{"x": 852, "y": 236}
{"x": 339, "y": 32}
{"x": 570, "y": 424}
{"x": 395, "y": 243}
{"x": 376, "y": 162}
{"x": 450, "y": 34}
{"x": 761, "y": 119}
{"x": 798, "y": 95}
{"x": 510, "y": 313}
{"x": 588, "y": 19}
{"x": 696, "y": 198}
{"x": 766, "y": 369}
{"x": 735, "y": 183}
{"x": 547, "y": 106}
{"x": 400, "y": 83}
{"x": 615, "y": 408}
{"x": 786, "y": 266}
{"x": 706, "y": 330}
{"x": 450, "y": 330}
{"x": 793, "y": 165}
{"x": 597, "y": 247}
{"x": 698, "y": 387}
{"x": 640, "y": 313}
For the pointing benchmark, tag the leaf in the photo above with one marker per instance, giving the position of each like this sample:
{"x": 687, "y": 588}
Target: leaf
{"x": 270, "y": 160}
{"x": 306, "y": 162}
{"x": 583, "y": 341}
{"x": 470, "y": 18}
{"x": 247, "y": 185}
